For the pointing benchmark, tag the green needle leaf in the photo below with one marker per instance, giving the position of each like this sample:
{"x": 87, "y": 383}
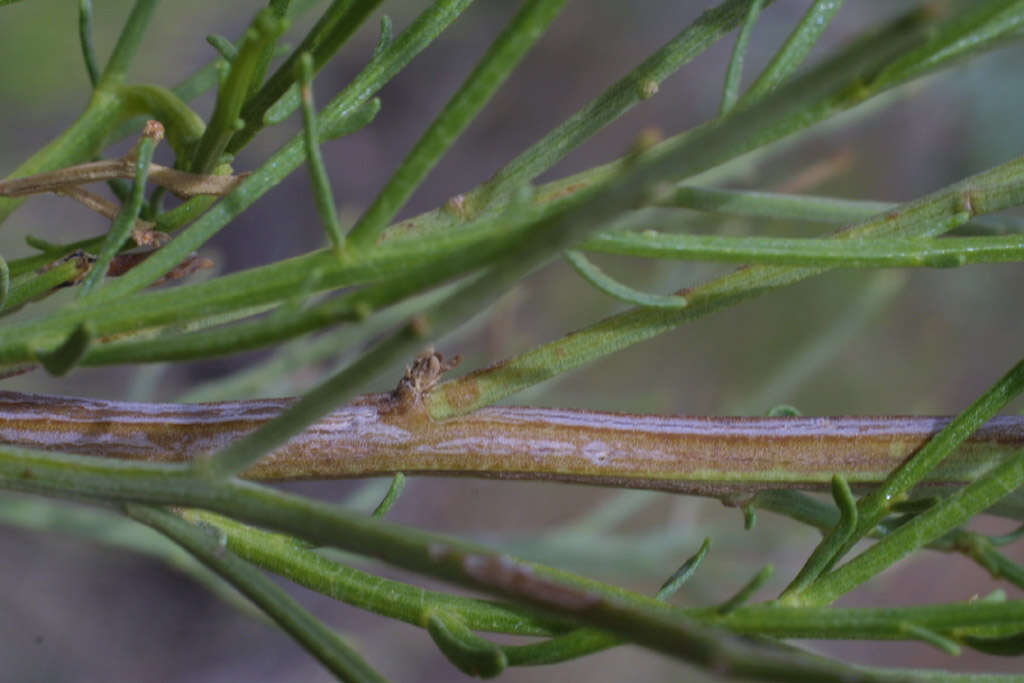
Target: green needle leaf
{"x": 61, "y": 360}
{"x": 683, "y": 574}
{"x": 322, "y": 194}
{"x": 832, "y": 544}
{"x": 748, "y": 590}
{"x": 951, "y": 252}
{"x": 385, "y": 37}
{"x": 34, "y": 287}
{"x": 85, "y": 39}
{"x": 734, "y": 72}
{"x": 613, "y": 288}
{"x": 926, "y": 635}
{"x": 471, "y": 654}
{"x": 223, "y": 46}
{"x": 394, "y": 491}
{"x": 794, "y": 50}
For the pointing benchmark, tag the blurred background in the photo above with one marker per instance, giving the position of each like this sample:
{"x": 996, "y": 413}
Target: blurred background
{"x": 905, "y": 342}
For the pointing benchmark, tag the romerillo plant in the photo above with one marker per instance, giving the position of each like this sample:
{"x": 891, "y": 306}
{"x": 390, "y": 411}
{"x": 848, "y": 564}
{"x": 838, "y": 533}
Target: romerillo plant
{"x": 196, "y": 472}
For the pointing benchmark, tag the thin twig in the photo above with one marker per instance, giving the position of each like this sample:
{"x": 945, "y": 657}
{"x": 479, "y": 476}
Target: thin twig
{"x": 180, "y": 183}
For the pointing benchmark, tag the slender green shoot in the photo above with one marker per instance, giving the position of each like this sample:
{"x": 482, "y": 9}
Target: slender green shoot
{"x": 36, "y": 286}
{"x": 322, "y": 194}
{"x": 121, "y": 229}
{"x": 85, "y": 39}
{"x": 930, "y": 637}
{"x": 792, "y": 207}
{"x": 224, "y": 47}
{"x": 734, "y": 72}
{"x": 471, "y": 654}
{"x": 793, "y": 52}
{"x": 645, "y": 621}
{"x": 615, "y": 289}
{"x": 833, "y": 543}
{"x": 686, "y": 570}
{"x": 948, "y": 252}
{"x": 747, "y": 591}
{"x": 996, "y": 189}
{"x": 282, "y": 9}
{"x": 394, "y": 491}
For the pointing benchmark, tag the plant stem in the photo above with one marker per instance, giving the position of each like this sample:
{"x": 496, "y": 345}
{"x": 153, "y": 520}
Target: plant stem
{"x": 85, "y": 39}
{"x": 641, "y": 620}
{"x": 781, "y": 251}
{"x": 322, "y": 194}
{"x": 734, "y": 72}
{"x": 374, "y": 437}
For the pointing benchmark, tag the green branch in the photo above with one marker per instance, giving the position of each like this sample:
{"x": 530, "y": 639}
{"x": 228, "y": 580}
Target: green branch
{"x": 633, "y": 617}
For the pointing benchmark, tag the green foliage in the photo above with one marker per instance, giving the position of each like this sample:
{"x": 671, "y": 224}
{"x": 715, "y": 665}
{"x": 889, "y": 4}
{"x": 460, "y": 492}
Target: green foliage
{"x": 403, "y": 286}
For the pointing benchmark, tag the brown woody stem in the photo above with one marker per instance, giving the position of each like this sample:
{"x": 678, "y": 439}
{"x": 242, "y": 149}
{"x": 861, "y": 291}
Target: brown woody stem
{"x": 379, "y": 435}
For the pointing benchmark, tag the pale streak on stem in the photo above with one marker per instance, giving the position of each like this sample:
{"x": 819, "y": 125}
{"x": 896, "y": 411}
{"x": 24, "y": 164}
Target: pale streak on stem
{"x": 381, "y": 434}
